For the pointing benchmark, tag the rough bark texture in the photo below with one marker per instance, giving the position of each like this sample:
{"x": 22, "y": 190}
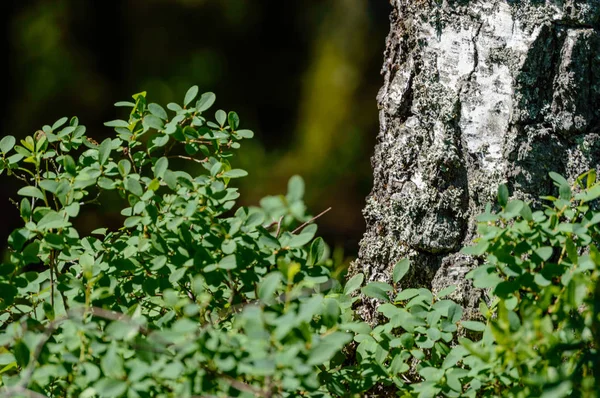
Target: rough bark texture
{"x": 476, "y": 93}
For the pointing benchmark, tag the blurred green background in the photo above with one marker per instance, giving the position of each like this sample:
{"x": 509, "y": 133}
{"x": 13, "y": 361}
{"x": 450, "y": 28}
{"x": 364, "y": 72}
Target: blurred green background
{"x": 302, "y": 74}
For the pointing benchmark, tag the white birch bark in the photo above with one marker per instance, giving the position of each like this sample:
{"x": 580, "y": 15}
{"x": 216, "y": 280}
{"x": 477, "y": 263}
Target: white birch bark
{"x": 476, "y": 93}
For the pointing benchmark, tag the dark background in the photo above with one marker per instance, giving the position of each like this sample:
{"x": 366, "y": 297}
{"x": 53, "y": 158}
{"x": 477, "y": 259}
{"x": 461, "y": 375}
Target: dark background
{"x": 302, "y": 74}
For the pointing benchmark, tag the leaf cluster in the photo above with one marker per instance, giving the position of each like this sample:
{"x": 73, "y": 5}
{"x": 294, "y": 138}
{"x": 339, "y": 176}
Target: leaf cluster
{"x": 194, "y": 296}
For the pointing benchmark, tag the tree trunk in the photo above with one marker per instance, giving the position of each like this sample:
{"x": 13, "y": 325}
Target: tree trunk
{"x": 475, "y": 93}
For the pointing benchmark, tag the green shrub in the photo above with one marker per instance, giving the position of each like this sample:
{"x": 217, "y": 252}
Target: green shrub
{"x": 189, "y": 296}
{"x": 193, "y": 297}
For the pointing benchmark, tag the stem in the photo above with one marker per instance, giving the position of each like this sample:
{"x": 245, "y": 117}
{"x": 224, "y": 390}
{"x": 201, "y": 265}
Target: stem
{"x": 278, "y": 227}
{"x": 52, "y": 253}
{"x": 311, "y": 220}
{"x": 188, "y": 158}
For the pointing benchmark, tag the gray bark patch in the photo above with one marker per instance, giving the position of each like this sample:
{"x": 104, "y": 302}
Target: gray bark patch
{"x": 475, "y": 93}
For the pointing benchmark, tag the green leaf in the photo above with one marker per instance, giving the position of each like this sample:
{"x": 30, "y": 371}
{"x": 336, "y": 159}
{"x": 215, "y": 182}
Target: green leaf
{"x": 526, "y": 212}
{"x": 7, "y": 292}
{"x": 124, "y": 104}
{"x": 327, "y": 347}
{"x": 70, "y": 165}
{"x": 122, "y": 330}
{"x": 377, "y": 290}
{"x": 484, "y": 277}
{"x": 159, "y": 141}
{"x": 400, "y": 269}
{"x": 434, "y": 334}
{"x": 255, "y": 219}
{"x": 25, "y": 209}
{"x": 7, "y": 143}
{"x": 316, "y": 253}
{"x": 268, "y": 286}
{"x": 305, "y": 236}
{"x": 52, "y": 220}
{"x": 453, "y": 377}
{"x": 6, "y": 358}
{"x": 589, "y": 195}
{"x": 432, "y": 374}
{"x": 234, "y": 120}
{"x": 32, "y": 192}
{"x": 190, "y": 95}
{"x": 49, "y": 185}
{"x": 104, "y": 151}
{"x": 407, "y": 294}
{"x": 541, "y": 281}
{"x": 245, "y": 133}
{"x": 133, "y": 186}
{"x": 158, "y": 111}
{"x": 59, "y": 123}
{"x": 513, "y": 208}
{"x": 356, "y": 327}
{"x": 235, "y": 173}
{"x": 171, "y": 179}
{"x": 389, "y": 310}
{"x": 154, "y": 184}
{"x": 310, "y": 308}
{"x": 216, "y": 168}
{"x": 477, "y": 250}
{"x": 21, "y": 353}
{"x": 565, "y": 192}
{"x": 160, "y": 167}
{"x": 354, "y": 283}
{"x": 446, "y": 292}
{"x": 473, "y": 325}
{"x": 124, "y": 167}
{"x": 206, "y": 101}
{"x": 456, "y": 354}
{"x": 502, "y": 195}
{"x": 221, "y": 117}
{"x": 544, "y": 252}
{"x": 398, "y": 366}
{"x": 131, "y": 222}
{"x": 564, "y": 389}
{"x": 572, "y": 250}
{"x": 153, "y": 122}
{"x": 117, "y": 123}
{"x": 177, "y": 275}
{"x": 174, "y": 107}
{"x": 112, "y": 363}
{"x": 228, "y": 246}
{"x": 295, "y": 188}
{"x": 110, "y": 388}
{"x": 558, "y": 179}
{"x": 591, "y": 178}
{"x": 228, "y": 262}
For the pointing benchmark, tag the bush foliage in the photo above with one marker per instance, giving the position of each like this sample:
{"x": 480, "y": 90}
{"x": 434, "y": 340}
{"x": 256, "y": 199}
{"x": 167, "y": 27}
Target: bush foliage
{"x": 193, "y": 297}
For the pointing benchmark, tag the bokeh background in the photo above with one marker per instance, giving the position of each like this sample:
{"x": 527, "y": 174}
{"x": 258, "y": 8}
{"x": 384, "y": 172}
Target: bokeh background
{"x": 302, "y": 74}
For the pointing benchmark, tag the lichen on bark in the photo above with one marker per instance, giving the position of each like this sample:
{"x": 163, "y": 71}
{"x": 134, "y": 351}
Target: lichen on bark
{"x": 475, "y": 93}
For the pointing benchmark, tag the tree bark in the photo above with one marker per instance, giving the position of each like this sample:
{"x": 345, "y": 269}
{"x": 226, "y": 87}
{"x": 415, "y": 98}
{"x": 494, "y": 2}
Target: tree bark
{"x": 476, "y": 93}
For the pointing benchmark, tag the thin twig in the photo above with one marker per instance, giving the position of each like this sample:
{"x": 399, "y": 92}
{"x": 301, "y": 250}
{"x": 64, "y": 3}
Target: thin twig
{"x": 311, "y": 220}
{"x": 240, "y": 385}
{"x": 189, "y": 158}
{"x": 271, "y": 224}
{"x": 268, "y": 387}
{"x": 278, "y": 227}
{"x": 52, "y": 278}
{"x": 191, "y": 295}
